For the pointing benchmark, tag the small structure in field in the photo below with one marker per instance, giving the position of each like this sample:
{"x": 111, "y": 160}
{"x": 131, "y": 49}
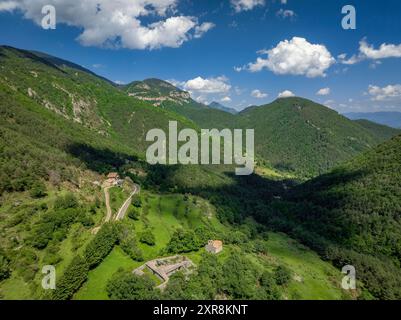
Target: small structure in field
{"x": 163, "y": 268}
{"x": 113, "y": 179}
{"x": 214, "y": 246}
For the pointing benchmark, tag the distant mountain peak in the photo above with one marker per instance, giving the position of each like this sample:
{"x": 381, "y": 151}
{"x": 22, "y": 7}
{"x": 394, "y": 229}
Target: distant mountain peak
{"x": 391, "y": 119}
{"x": 219, "y": 106}
{"x": 157, "y": 92}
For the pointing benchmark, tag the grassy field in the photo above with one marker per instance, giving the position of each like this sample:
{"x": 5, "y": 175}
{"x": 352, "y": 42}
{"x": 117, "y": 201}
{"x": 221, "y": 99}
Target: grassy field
{"x": 312, "y": 277}
{"x": 163, "y": 214}
{"x": 95, "y": 287}
{"x": 117, "y": 198}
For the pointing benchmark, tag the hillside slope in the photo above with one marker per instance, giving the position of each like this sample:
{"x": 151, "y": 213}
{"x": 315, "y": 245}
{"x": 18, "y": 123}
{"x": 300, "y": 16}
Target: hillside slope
{"x": 357, "y": 209}
{"x": 166, "y": 96}
{"x": 392, "y": 119}
{"x": 82, "y": 97}
{"x": 219, "y": 106}
{"x": 379, "y": 130}
{"x": 304, "y": 137}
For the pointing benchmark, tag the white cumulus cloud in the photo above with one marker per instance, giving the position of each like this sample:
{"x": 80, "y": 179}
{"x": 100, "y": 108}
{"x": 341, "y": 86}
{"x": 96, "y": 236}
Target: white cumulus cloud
{"x": 296, "y": 57}
{"x": 203, "y": 28}
{"x": 384, "y": 51}
{"x": 226, "y": 99}
{"x": 323, "y": 92}
{"x": 286, "y": 94}
{"x": 246, "y": 5}
{"x": 390, "y": 92}
{"x": 368, "y": 51}
{"x": 259, "y": 94}
{"x": 208, "y": 85}
{"x": 8, "y": 5}
{"x": 111, "y": 23}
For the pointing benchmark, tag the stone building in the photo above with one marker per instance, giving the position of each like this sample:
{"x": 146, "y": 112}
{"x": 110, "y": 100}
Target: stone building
{"x": 214, "y": 246}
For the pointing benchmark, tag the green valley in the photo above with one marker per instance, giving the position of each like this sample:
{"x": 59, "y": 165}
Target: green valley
{"x": 325, "y": 193}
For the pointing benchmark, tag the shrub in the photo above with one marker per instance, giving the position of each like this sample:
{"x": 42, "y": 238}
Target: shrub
{"x": 130, "y": 247}
{"x": 128, "y": 286}
{"x": 183, "y": 241}
{"x": 5, "y": 271}
{"x": 147, "y": 237}
{"x": 66, "y": 202}
{"x": 137, "y": 202}
{"x": 38, "y": 190}
{"x": 134, "y": 214}
{"x": 282, "y": 275}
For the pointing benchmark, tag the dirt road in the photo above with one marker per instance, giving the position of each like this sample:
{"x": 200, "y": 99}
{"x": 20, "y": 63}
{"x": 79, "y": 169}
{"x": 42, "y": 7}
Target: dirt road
{"x": 123, "y": 210}
{"x": 108, "y": 208}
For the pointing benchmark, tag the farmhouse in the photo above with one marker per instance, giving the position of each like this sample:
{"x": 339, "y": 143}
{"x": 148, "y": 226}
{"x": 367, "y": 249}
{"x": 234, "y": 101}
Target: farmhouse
{"x": 214, "y": 246}
{"x": 113, "y": 179}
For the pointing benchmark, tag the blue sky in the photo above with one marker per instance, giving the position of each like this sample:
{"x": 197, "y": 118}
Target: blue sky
{"x": 210, "y": 48}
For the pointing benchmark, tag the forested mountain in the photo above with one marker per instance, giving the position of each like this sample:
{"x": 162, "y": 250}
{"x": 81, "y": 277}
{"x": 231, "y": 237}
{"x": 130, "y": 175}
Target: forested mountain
{"x": 78, "y": 95}
{"x": 301, "y": 136}
{"x": 292, "y": 135}
{"x": 353, "y": 215}
{"x": 379, "y": 130}
{"x": 219, "y": 106}
{"x": 391, "y": 119}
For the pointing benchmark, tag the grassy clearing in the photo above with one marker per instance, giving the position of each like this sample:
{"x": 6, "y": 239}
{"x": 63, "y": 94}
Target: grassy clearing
{"x": 313, "y": 278}
{"x": 117, "y": 198}
{"x": 164, "y": 214}
{"x": 95, "y": 286}
{"x": 15, "y": 288}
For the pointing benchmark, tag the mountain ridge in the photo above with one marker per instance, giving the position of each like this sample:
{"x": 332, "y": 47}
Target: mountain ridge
{"x": 293, "y": 135}
{"x": 391, "y": 119}
{"x": 219, "y": 106}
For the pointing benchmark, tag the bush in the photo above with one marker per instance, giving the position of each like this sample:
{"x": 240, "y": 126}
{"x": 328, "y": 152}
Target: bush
{"x": 5, "y": 270}
{"x": 282, "y": 275}
{"x": 38, "y": 190}
{"x": 134, "y": 214}
{"x": 137, "y": 202}
{"x": 86, "y": 220}
{"x": 183, "y": 241}
{"x": 130, "y": 247}
{"x": 128, "y": 286}
{"x": 66, "y": 202}
{"x": 269, "y": 288}
{"x": 147, "y": 237}
{"x": 260, "y": 246}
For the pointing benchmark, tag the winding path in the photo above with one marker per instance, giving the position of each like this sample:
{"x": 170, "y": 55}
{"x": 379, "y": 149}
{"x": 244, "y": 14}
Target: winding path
{"x": 108, "y": 208}
{"x": 123, "y": 210}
